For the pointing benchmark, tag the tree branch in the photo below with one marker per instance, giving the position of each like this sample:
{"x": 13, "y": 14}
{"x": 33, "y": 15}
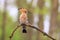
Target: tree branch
{"x": 29, "y": 25}
{"x": 14, "y": 32}
{"x": 39, "y": 30}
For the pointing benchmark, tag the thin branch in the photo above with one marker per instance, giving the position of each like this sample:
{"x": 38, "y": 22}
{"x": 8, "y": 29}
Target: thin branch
{"x": 39, "y": 30}
{"x": 14, "y": 32}
{"x": 31, "y": 27}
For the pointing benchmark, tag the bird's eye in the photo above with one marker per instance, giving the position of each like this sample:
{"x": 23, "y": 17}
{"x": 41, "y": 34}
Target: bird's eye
{"x": 20, "y": 8}
{"x": 25, "y": 11}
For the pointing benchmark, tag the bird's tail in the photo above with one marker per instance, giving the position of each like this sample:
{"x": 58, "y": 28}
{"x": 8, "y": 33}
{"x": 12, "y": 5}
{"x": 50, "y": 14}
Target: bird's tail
{"x": 24, "y": 29}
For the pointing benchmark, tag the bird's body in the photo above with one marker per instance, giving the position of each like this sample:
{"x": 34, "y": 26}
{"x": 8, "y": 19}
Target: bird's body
{"x": 23, "y": 18}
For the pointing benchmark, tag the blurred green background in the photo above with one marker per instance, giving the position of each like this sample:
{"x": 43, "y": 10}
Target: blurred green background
{"x": 44, "y": 14}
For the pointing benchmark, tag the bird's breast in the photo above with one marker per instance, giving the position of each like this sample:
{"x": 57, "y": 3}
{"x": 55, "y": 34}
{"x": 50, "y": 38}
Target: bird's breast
{"x": 23, "y": 18}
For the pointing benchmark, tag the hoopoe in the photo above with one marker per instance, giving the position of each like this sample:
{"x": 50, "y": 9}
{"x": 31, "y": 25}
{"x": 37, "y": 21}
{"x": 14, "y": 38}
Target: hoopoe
{"x": 23, "y": 18}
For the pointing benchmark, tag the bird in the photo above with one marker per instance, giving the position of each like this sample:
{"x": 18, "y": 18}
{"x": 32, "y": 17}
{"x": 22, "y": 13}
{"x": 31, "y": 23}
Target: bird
{"x": 23, "y": 19}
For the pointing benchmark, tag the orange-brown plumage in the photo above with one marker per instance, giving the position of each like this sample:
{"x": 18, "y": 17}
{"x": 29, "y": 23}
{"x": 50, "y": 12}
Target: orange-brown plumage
{"x": 23, "y": 18}
{"x": 23, "y": 10}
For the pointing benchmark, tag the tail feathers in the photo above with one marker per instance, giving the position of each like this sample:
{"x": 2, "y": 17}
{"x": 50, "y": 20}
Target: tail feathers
{"x": 24, "y": 28}
{"x": 24, "y": 31}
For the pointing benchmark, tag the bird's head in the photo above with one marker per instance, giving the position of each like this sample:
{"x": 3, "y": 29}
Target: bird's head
{"x": 22, "y": 10}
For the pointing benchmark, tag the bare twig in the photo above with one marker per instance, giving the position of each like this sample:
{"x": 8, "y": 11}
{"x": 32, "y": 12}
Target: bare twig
{"x": 39, "y": 30}
{"x": 14, "y": 32}
{"x": 29, "y": 25}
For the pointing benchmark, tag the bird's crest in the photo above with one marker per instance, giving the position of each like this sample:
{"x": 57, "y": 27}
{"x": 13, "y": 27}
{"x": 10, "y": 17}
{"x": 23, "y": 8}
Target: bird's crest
{"x": 23, "y": 10}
